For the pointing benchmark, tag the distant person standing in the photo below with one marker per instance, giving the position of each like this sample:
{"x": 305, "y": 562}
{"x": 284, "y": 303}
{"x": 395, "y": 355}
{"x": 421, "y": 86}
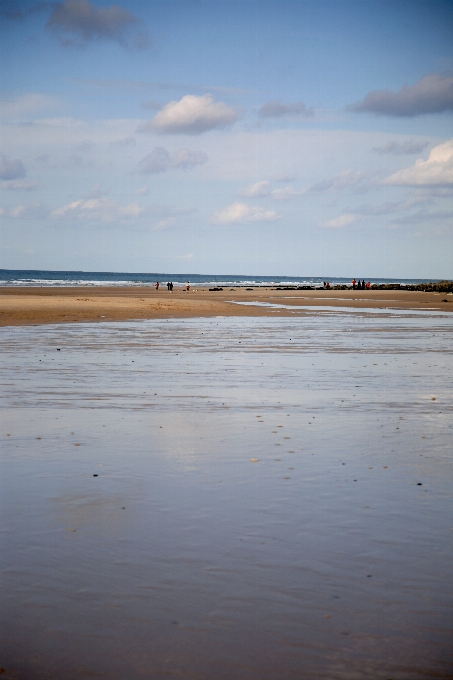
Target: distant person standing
{"x": 188, "y": 286}
{"x": 354, "y": 283}
{"x": 171, "y": 286}
{"x": 363, "y": 284}
{"x": 156, "y": 285}
{"x": 368, "y": 285}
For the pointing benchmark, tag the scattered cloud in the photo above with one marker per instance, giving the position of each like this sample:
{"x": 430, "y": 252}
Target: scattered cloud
{"x": 155, "y": 162}
{"x": 241, "y": 213}
{"x": 143, "y": 191}
{"x": 284, "y": 178}
{"x": 100, "y": 209}
{"x": 79, "y": 162}
{"x": 97, "y": 192}
{"x": 431, "y": 94}
{"x": 258, "y": 189}
{"x": 35, "y": 211}
{"x": 10, "y": 9}
{"x": 19, "y": 185}
{"x": 189, "y": 256}
{"x": 436, "y": 171}
{"x": 78, "y": 22}
{"x": 341, "y": 221}
{"x": 345, "y": 180}
{"x": 15, "y": 108}
{"x": 66, "y": 122}
{"x": 192, "y": 115}
{"x": 285, "y": 194}
{"x": 167, "y": 222}
{"x": 276, "y": 109}
{"x": 85, "y": 145}
{"x": 159, "y": 160}
{"x": 11, "y": 169}
{"x": 390, "y": 207}
{"x": 186, "y": 159}
{"x": 423, "y": 216}
{"x": 408, "y": 147}
{"x": 126, "y": 141}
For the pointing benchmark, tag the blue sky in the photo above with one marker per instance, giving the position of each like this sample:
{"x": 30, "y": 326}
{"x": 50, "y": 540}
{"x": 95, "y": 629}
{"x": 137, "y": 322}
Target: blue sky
{"x": 304, "y": 138}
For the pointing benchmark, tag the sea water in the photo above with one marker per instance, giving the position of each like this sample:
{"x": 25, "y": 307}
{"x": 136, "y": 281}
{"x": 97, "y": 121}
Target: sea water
{"x": 228, "y": 498}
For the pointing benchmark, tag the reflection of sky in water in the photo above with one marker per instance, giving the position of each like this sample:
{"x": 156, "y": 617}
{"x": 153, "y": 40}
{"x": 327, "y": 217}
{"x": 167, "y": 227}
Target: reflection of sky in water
{"x": 323, "y": 559}
{"x": 381, "y": 311}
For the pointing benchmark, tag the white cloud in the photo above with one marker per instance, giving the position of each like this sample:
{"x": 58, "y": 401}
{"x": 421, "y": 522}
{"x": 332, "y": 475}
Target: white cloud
{"x": 19, "y": 185}
{"x": 341, "y": 221}
{"x": 241, "y": 213}
{"x": 276, "y": 109}
{"x": 258, "y": 189}
{"x": 436, "y": 171}
{"x": 143, "y": 191}
{"x": 431, "y": 94}
{"x": 192, "y": 115}
{"x": 11, "y": 168}
{"x": 101, "y": 209}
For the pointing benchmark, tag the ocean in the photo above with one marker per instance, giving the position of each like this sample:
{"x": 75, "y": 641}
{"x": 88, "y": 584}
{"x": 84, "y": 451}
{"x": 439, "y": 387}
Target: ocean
{"x": 42, "y": 277}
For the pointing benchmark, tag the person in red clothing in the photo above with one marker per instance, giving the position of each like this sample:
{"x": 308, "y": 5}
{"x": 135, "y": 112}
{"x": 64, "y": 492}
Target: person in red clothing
{"x": 354, "y": 283}
{"x": 368, "y": 285}
{"x": 156, "y": 285}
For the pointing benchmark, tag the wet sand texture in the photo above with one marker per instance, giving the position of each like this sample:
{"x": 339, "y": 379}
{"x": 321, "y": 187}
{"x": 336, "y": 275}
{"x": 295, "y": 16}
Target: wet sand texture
{"x": 21, "y": 306}
{"x": 228, "y": 498}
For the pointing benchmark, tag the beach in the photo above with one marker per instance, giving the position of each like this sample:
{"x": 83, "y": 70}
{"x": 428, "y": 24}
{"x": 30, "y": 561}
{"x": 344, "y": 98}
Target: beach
{"x": 251, "y": 492}
{"x": 31, "y": 305}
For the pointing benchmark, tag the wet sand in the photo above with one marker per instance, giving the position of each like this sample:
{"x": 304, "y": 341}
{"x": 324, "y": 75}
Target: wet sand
{"x": 232, "y": 498}
{"x": 23, "y": 306}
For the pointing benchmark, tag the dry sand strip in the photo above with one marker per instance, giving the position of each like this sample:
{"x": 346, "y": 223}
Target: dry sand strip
{"x": 29, "y": 306}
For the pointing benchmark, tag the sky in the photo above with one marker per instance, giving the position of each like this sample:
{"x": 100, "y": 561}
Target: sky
{"x": 228, "y": 137}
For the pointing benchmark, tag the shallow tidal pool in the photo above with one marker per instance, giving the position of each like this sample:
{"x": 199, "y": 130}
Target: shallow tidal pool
{"x": 229, "y": 498}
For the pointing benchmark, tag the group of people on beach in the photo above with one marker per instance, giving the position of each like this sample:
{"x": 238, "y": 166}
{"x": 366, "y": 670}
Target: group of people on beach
{"x": 170, "y": 286}
{"x": 356, "y": 285}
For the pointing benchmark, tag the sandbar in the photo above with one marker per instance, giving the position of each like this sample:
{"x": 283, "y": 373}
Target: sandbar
{"x": 49, "y": 305}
